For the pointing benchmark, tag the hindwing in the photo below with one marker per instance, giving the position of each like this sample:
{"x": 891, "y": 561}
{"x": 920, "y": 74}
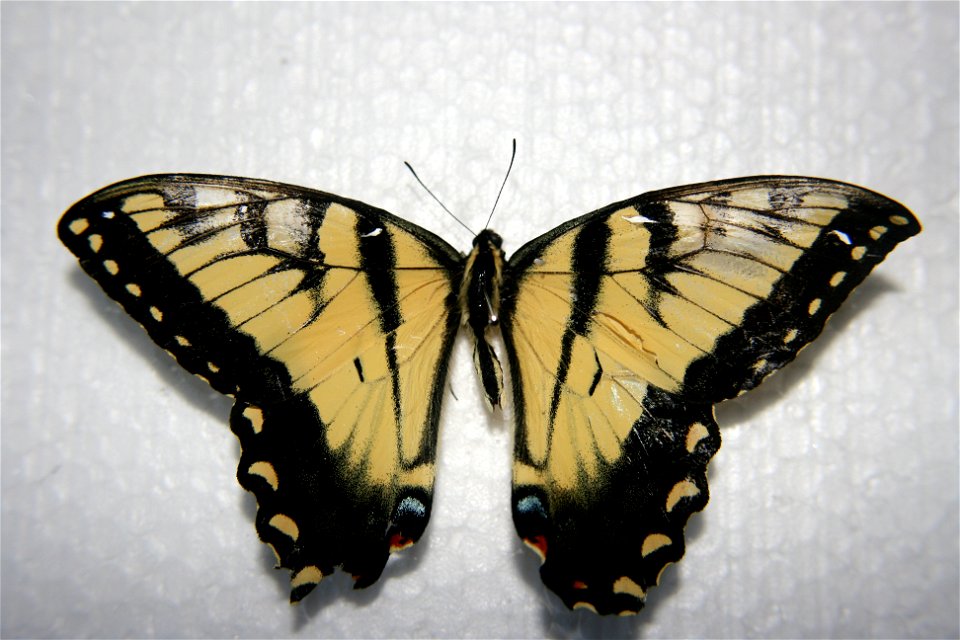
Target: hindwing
{"x": 331, "y": 323}
{"x": 624, "y": 327}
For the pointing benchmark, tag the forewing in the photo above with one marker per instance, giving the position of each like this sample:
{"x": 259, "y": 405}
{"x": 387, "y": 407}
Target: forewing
{"x": 329, "y": 321}
{"x": 623, "y": 328}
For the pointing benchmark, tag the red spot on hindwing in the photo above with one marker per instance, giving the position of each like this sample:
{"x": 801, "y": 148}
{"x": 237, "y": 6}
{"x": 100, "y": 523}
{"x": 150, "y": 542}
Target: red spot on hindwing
{"x": 398, "y": 542}
{"x": 539, "y": 545}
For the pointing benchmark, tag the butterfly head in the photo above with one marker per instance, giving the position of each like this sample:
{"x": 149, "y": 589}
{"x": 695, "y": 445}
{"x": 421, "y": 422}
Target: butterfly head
{"x": 488, "y": 239}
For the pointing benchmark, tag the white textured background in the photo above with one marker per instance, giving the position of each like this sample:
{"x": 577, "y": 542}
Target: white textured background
{"x": 834, "y": 497}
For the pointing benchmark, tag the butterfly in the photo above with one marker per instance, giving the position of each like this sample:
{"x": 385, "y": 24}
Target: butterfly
{"x": 331, "y": 324}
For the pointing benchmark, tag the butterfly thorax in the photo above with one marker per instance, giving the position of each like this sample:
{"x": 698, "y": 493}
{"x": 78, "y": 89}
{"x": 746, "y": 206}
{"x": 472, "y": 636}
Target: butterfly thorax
{"x": 480, "y": 305}
{"x": 482, "y": 276}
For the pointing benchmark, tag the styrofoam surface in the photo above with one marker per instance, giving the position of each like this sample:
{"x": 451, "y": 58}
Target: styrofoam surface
{"x": 834, "y": 497}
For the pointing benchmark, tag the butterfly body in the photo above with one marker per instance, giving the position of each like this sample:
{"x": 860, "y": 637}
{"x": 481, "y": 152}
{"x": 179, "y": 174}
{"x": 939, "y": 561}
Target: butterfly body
{"x": 480, "y": 305}
{"x": 332, "y": 322}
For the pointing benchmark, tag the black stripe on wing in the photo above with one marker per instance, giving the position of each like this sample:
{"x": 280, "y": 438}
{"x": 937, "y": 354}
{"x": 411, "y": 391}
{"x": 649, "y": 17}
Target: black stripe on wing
{"x": 587, "y": 264}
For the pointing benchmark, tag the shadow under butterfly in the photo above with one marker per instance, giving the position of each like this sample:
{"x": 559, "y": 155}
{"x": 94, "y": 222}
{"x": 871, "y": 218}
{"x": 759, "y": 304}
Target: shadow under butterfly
{"x": 331, "y": 324}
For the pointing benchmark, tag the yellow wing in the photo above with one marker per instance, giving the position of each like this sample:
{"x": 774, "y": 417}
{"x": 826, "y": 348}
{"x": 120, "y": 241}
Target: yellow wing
{"x": 329, "y": 321}
{"x": 625, "y": 326}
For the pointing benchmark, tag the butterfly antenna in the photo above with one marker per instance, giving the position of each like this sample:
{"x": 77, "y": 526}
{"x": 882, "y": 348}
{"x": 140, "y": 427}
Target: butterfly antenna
{"x": 442, "y": 206}
{"x": 512, "y": 156}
